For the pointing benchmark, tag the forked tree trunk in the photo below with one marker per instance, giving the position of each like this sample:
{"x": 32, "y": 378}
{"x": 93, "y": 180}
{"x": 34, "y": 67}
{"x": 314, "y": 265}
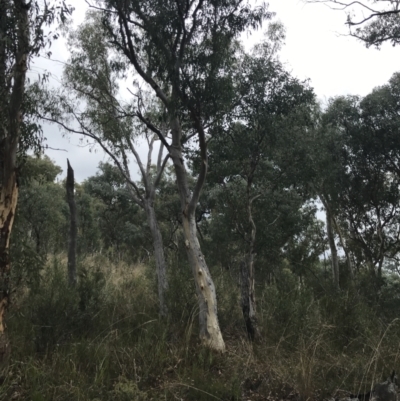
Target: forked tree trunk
{"x": 73, "y": 227}
{"x": 161, "y": 266}
{"x": 210, "y": 332}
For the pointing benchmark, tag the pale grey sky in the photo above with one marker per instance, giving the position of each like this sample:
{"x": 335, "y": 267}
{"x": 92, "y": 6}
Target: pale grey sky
{"x": 317, "y": 48}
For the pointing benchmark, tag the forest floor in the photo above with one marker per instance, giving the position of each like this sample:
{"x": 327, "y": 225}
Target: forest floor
{"x": 105, "y": 341}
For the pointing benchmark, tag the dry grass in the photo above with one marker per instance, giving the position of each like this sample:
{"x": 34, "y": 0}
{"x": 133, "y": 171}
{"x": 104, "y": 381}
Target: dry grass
{"x": 104, "y": 341}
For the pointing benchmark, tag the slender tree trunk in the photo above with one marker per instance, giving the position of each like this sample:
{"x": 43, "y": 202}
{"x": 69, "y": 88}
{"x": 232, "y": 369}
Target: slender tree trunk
{"x": 248, "y": 296}
{"x": 247, "y": 277}
{"x": 332, "y": 246}
{"x": 73, "y": 227}
{"x": 161, "y": 266}
{"x": 331, "y": 239}
{"x": 210, "y": 332}
{"x": 344, "y": 246}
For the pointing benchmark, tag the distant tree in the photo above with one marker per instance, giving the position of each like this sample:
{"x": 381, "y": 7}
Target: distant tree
{"x": 245, "y": 156}
{"x": 373, "y": 22}
{"x": 119, "y": 220}
{"x": 93, "y": 75}
{"x": 367, "y": 186}
{"x": 41, "y": 214}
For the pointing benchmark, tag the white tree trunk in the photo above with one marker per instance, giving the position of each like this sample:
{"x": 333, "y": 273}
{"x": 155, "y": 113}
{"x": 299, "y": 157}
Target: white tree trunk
{"x": 210, "y": 332}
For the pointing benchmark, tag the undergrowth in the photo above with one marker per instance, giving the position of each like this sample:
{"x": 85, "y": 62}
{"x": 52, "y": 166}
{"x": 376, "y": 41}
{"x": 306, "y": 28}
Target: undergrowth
{"x": 104, "y": 340}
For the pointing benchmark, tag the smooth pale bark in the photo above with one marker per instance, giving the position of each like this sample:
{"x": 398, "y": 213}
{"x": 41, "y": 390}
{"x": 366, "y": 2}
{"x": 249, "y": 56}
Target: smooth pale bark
{"x": 210, "y": 332}
{"x": 158, "y": 246}
{"x": 73, "y": 227}
{"x": 146, "y": 202}
{"x": 344, "y": 246}
{"x": 8, "y": 204}
{"x": 247, "y": 276}
{"x": 10, "y": 121}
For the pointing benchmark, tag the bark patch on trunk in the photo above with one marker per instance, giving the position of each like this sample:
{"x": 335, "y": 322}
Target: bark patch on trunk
{"x": 210, "y": 332}
{"x": 8, "y": 204}
{"x": 248, "y": 297}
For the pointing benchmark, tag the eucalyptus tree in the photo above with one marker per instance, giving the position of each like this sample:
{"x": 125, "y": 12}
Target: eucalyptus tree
{"x": 91, "y": 99}
{"x": 183, "y": 51}
{"x": 42, "y": 230}
{"x": 246, "y": 158}
{"x": 21, "y": 37}
{"x": 368, "y": 184}
{"x": 316, "y": 162}
{"x": 373, "y": 22}
{"x": 119, "y": 221}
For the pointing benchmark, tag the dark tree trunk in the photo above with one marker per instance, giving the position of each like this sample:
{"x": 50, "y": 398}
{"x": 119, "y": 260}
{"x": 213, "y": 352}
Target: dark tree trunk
{"x": 73, "y": 227}
{"x": 332, "y": 245}
{"x": 11, "y": 96}
{"x": 248, "y": 296}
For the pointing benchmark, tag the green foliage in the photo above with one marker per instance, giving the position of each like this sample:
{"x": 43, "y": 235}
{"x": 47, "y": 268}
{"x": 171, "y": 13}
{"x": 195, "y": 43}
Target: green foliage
{"x": 120, "y": 220}
{"x": 272, "y": 152}
{"x": 41, "y": 218}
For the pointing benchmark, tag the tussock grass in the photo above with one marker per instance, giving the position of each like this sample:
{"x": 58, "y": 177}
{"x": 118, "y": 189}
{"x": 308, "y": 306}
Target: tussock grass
{"x": 105, "y": 341}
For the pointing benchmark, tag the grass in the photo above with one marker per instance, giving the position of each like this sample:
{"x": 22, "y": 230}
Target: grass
{"x": 104, "y": 341}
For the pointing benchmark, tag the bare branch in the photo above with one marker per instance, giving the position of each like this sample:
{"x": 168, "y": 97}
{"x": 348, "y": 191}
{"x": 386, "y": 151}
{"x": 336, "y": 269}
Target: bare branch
{"x": 149, "y": 154}
{"x": 85, "y": 132}
{"x": 154, "y": 129}
{"x": 160, "y": 171}
{"x": 139, "y": 162}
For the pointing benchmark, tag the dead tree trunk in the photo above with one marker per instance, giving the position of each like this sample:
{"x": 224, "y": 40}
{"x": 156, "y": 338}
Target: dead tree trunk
{"x": 73, "y": 227}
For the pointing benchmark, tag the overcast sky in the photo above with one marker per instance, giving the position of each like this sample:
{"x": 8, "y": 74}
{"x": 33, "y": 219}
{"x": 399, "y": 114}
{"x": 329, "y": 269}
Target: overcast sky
{"x": 317, "y": 48}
